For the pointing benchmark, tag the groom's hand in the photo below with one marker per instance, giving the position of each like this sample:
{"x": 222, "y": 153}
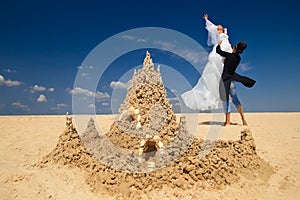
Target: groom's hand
{"x": 220, "y": 42}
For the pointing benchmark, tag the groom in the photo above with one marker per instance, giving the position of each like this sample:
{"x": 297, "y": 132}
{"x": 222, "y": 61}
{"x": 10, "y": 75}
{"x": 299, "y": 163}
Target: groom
{"x": 227, "y": 86}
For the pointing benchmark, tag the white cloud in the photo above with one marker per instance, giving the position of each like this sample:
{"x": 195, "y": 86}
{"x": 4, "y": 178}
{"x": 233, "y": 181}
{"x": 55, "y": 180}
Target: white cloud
{"x": 119, "y": 84}
{"x": 245, "y": 67}
{"x": 8, "y": 82}
{"x": 195, "y": 56}
{"x": 79, "y": 90}
{"x": 41, "y": 98}
{"x": 101, "y": 95}
{"x": 133, "y": 38}
{"x": 86, "y": 75}
{"x": 38, "y": 88}
{"x": 192, "y": 55}
{"x": 128, "y": 37}
{"x": 97, "y": 95}
{"x": 10, "y": 71}
{"x": 60, "y": 105}
{"x": 21, "y": 106}
{"x": 85, "y": 67}
{"x": 92, "y": 106}
{"x": 165, "y": 45}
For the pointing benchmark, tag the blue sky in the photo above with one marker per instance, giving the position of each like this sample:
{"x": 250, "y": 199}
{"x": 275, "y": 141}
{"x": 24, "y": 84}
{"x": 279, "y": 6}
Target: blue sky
{"x": 45, "y": 43}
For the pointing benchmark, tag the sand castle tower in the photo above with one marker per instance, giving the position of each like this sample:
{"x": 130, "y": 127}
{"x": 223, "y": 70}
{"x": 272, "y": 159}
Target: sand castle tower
{"x": 145, "y": 125}
{"x": 146, "y": 111}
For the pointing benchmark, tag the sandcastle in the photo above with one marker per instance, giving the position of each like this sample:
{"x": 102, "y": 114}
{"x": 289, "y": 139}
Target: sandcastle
{"x": 146, "y": 111}
{"x": 147, "y": 148}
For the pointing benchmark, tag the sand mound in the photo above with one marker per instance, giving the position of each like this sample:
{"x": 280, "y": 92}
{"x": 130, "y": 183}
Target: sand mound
{"x": 224, "y": 164}
{"x": 113, "y": 164}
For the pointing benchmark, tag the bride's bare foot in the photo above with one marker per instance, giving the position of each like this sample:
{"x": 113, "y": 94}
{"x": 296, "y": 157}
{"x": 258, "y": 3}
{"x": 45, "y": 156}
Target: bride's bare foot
{"x": 244, "y": 122}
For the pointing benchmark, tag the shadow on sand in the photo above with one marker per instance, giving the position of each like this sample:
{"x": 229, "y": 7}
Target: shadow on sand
{"x": 216, "y": 123}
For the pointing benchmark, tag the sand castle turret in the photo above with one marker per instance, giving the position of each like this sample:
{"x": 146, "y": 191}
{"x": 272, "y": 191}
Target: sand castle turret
{"x": 146, "y": 111}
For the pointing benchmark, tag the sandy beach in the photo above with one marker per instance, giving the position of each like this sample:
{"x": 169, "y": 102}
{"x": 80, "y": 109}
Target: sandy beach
{"x": 26, "y": 139}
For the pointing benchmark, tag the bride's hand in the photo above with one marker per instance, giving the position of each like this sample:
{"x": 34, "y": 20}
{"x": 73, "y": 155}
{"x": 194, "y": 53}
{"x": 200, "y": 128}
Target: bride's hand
{"x": 220, "y": 42}
{"x": 205, "y": 16}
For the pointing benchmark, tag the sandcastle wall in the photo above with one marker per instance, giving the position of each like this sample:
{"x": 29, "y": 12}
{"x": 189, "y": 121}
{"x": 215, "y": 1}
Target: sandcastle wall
{"x": 223, "y": 165}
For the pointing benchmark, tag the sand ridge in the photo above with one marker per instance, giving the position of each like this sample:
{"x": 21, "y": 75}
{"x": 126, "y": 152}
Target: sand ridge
{"x": 226, "y": 162}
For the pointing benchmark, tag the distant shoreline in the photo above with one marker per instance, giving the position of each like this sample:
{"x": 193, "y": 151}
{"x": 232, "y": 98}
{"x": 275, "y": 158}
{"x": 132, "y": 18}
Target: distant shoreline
{"x": 250, "y": 112}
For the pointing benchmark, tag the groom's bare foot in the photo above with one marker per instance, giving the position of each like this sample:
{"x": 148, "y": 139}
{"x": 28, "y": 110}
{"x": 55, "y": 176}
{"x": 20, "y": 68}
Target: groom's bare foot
{"x": 244, "y": 122}
{"x": 226, "y": 123}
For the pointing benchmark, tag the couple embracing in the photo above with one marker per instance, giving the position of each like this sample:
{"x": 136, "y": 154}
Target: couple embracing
{"x": 216, "y": 86}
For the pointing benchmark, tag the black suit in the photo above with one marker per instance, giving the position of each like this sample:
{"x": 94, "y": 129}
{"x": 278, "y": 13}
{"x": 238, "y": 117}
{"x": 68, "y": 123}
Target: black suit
{"x": 231, "y": 62}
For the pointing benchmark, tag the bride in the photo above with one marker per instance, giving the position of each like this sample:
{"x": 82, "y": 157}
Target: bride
{"x": 205, "y": 95}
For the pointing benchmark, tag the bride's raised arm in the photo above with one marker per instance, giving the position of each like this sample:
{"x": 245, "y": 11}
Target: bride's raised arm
{"x": 212, "y": 31}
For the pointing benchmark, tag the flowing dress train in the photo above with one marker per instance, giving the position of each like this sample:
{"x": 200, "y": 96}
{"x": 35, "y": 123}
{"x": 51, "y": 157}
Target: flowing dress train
{"x": 205, "y": 94}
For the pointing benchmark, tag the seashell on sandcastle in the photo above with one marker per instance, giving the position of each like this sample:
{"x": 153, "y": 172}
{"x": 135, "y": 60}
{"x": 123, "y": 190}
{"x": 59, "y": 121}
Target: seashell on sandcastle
{"x": 147, "y": 149}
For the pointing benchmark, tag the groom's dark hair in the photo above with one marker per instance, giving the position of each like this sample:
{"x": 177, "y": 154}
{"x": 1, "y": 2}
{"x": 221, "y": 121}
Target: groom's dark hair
{"x": 240, "y": 47}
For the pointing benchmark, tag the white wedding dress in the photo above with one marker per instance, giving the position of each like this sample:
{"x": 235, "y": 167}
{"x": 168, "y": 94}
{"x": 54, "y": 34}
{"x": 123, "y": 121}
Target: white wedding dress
{"x": 205, "y": 95}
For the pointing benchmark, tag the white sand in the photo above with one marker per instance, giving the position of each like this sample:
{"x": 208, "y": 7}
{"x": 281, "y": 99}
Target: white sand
{"x": 26, "y": 139}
